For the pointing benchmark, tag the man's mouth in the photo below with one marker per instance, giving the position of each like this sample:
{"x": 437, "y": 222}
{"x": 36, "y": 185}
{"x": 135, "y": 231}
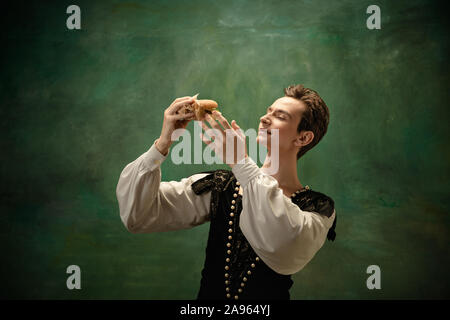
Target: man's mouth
{"x": 262, "y": 130}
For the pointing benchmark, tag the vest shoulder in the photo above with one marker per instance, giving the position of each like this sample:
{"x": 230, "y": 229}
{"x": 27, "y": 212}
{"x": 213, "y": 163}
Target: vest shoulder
{"x": 217, "y": 180}
{"x": 315, "y": 201}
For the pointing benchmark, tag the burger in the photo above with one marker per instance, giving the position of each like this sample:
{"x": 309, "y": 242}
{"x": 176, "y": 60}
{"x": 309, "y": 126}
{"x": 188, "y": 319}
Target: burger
{"x": 200, "y": 108}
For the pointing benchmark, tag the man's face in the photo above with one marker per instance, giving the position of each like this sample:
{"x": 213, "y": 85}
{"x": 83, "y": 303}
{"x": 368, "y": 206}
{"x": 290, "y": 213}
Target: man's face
{"x": 285, "y": 115}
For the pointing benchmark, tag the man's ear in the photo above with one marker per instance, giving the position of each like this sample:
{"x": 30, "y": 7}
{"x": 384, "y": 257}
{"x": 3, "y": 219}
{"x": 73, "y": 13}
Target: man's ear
{"x": 304, "y": 138}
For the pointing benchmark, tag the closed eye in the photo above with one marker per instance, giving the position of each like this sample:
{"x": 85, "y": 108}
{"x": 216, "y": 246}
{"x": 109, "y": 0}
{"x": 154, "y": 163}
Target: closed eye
{"x": 278, "y": 113}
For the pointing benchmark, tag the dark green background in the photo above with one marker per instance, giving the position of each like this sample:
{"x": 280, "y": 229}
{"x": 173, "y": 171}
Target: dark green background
{"x": 78, "y": 106}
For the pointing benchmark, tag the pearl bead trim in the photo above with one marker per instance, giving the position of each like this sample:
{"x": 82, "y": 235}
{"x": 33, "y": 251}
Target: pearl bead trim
{"x": 229, "y": 247}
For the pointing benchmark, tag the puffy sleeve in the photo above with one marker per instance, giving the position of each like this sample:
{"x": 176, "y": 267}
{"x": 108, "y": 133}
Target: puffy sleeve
{"x": 285, "y": 237}
{"x": 148, "y": 205}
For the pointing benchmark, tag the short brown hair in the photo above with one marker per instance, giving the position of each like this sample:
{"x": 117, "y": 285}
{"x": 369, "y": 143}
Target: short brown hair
{"x": 316, "y": 116}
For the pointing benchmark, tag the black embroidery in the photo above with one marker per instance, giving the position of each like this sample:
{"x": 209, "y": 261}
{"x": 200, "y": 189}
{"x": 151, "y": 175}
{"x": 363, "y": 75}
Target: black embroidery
{"x": 217, "y": 181}
{"x": 331, "y": 235}
{"x": 318, "y": 202}
{"x": 204, "y": 184}
{"x": 314, "y": 201}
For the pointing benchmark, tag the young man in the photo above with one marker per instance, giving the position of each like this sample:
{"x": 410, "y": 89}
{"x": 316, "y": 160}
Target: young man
{"x": 263, "y": 227}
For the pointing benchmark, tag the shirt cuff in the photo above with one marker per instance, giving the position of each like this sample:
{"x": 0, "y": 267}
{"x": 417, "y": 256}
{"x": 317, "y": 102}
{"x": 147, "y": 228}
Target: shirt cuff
{"x": 246, "y": 171}
{"x": 153, "y": 158}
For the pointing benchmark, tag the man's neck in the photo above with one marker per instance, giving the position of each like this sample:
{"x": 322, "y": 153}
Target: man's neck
{"x": 286, "y": 175}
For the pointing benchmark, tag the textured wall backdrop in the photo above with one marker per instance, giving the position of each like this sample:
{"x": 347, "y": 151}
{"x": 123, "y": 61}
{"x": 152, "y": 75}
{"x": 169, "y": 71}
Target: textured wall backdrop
{"x": 78, "y": 105}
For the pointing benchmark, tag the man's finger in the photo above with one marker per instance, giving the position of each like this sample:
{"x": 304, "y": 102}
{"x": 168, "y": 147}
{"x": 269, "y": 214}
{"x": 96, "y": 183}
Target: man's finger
{"x": 237, "y": 129}
{"x": 184, "y": 98}
{"x": 213, "y": 122}
{"x": 205, "y": 130}
{"x": 222, "y": 120}
{"x": 181, "y": 99}
{"x": 208, "y": 142}
{"x": 204, "y": 126}
{"x": 173, "y": 109}
{"x": 186, "y": 116}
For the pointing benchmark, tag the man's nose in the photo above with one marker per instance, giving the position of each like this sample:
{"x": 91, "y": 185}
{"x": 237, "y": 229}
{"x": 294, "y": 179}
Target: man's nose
{"x": 264, "y": 119}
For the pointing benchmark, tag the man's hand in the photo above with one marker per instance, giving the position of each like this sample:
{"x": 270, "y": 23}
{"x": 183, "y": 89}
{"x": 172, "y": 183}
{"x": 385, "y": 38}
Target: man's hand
{"x": 173, "y": 121}
{"x": 227, "y": 141}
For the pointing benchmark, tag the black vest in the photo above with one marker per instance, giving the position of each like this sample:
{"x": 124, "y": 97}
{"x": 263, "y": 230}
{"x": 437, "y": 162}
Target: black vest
{"x": 232, "y": 269}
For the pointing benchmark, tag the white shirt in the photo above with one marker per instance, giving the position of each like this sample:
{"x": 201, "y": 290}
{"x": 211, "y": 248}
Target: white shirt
{"x": 285, "y": 237}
